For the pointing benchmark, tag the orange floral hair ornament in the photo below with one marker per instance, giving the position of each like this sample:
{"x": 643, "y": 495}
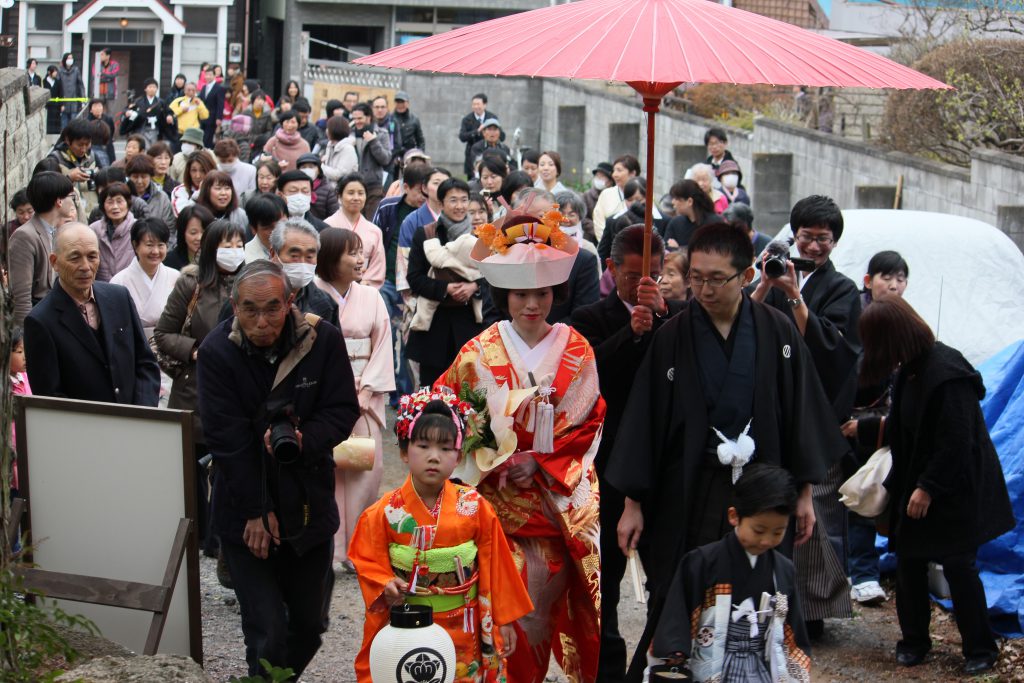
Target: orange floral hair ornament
{"x": 520, "y": 251}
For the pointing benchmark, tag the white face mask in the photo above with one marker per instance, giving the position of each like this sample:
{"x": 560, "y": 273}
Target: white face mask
{"x": 311, "y": 171}
{"x": 230, "y": 258}
{"x": 229, "y": 167}
{"x": 71, "y": 62}
{"x": 730, "y": 180}
{"x": 299, "y": 274}
{"x": 187, "y": 148}
{"x": 599, "y": 183}
{"x": 298, "y": 204}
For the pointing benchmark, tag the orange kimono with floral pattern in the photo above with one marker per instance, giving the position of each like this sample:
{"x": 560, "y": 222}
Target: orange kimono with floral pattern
{"x": 464, "y": 517}
{"x": 552, "y": 524}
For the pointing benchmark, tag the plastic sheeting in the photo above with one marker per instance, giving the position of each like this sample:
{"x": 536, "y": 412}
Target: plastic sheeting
{"x": 966, "y": 276}
{"x": 1002, "y": 561}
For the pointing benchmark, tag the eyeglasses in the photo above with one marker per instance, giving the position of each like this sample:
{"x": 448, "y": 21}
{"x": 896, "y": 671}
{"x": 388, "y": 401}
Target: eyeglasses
{"x": 713, "y": 282}
{"x": 823, "y": 240}
{"x": 252, "y": 313}
{"x": 636, "y": 277}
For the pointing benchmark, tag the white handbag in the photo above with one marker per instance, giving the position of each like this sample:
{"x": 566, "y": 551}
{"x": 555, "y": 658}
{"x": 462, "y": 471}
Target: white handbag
{"x": 865, "y": 492}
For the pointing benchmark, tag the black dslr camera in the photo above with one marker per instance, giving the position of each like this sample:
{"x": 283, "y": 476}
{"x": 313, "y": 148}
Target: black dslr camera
{"x": 778, "y": 256}
{"x": 284, "y": 442}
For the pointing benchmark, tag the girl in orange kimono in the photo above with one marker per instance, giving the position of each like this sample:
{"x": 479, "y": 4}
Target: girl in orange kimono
{"x": 437, "y": 543}
{"x": 545, "y": 411}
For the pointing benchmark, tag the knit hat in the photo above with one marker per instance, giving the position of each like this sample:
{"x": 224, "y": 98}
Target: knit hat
{"x": 193, "y": 136}
{"x": 307, "y": 159}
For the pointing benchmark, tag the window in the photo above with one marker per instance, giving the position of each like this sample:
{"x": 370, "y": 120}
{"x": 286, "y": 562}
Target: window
{"x": 48, "y": 17}
{"x": 200, "y": 19}
{"x": 415, "y": 15}
{"x": 118, "y": 36}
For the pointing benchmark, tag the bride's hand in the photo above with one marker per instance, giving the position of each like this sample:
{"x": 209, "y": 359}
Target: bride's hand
{"x": 522, "y": 472}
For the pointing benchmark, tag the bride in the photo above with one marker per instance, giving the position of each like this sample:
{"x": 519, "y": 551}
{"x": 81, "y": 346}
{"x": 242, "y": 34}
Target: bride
{"x": 544, "y": 489}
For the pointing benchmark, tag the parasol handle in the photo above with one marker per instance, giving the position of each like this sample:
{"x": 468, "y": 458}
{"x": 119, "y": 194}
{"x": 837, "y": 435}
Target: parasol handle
{"x": 651, "y": 105}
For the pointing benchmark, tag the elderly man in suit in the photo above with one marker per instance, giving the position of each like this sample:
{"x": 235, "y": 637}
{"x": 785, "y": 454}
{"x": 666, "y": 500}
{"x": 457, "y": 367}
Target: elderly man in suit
{"x": 31, "y": 245}
{"x": 619, "y": 328}
{"x": 84, "y": 340}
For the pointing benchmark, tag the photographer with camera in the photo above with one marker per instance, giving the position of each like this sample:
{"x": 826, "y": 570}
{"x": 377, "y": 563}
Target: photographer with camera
{"x": 825, "y": 306}
{"x": 74, "y": 153}
{"x": 276, "y": 394}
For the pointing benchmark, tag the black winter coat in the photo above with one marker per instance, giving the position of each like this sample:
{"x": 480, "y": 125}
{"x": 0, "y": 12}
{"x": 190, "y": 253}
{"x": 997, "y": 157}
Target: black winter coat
{"x": 940, "y": 443}
{"x": 234, "y": 384}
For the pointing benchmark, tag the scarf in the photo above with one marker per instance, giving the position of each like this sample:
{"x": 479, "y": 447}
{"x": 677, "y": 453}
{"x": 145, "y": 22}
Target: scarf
{"x": 287, "y": 139}
{"x": 455, "y": 230}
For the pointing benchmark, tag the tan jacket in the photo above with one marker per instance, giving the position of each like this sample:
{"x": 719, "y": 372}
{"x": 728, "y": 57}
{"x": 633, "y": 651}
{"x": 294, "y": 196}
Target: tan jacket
{"x": 30, "y": 271}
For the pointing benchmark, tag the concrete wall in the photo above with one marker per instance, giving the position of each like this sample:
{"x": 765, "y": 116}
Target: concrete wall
{"x": 22, "y": 132}
{"x": 589, "y": 123}
{"x": 677, "y": 136}
{"x": 824, "y": 163}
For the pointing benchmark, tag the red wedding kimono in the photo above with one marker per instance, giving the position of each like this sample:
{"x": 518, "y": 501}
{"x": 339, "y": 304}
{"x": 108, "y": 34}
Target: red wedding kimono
{"x": 465, "y": 520}
{"x": 552, "y": 524}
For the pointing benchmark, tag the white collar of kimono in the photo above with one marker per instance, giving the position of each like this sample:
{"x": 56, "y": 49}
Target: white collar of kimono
{"x": 142, "y": 274}
{"x": 520, "y": 352}
{"x": 804, "y": 279}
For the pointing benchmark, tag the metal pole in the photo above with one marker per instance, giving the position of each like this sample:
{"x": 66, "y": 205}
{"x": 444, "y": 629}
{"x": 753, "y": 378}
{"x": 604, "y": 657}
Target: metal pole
{"x": 651, "y": 109}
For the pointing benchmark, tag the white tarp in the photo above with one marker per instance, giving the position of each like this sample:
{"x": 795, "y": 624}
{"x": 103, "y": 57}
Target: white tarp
{"x": 966, "y": 277}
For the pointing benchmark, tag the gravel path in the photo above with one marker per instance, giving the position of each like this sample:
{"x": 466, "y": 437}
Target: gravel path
{"x": 858, "y": 649}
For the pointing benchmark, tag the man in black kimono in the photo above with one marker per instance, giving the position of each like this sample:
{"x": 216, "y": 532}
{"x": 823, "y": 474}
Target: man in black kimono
{"x": 825, "y": 307}
{"x": 723, "y": 367}
{"x": 620, "y": 328}
{"x": 825, "y": 304}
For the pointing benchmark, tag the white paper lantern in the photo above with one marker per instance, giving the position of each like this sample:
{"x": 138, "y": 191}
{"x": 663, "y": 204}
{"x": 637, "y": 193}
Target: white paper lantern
{"x": 412, "y": 649}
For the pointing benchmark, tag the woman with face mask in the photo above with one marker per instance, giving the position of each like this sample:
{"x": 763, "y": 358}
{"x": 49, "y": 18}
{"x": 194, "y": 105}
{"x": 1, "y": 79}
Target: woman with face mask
{"x": 324, "y": 199}
{"x": 731, "y": 179}
{"x": 69, "y": 79}
{"x": 192, "y": 311}
{"x": 352, "y": 194}
{"x": 367, "y": 327}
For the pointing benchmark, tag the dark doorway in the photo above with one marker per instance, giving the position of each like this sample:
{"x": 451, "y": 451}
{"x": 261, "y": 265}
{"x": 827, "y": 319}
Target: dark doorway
{"x": 137, "y": 64}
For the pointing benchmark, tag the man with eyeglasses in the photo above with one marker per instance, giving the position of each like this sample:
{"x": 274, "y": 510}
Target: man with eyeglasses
{"x": 725, "y": 382}
{"x": 267, "y": 371}
{"x": 620, "y": 328}
{"x": 825, "y": 307}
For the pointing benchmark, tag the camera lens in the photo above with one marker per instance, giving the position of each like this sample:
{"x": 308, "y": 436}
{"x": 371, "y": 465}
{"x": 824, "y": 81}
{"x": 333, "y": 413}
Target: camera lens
{"x": 775, "y": 267}
{"x": 283, "y": 442}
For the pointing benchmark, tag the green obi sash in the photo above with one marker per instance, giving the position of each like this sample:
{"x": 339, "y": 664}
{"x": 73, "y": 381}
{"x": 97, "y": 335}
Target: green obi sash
{"x": 439, "y": 561}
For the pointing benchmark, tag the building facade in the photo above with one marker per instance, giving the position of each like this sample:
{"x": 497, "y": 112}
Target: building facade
{"x": 148, "y": 38}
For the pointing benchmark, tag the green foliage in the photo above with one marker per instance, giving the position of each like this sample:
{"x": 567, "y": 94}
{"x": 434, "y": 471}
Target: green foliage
{"x": 31, "y": 642}
{"x": 985, "y": 109}
{"x": 478, "y": 429}
{"x": 276, "y": 674}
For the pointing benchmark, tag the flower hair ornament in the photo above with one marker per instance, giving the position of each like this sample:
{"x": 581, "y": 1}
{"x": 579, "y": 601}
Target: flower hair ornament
{"x": 410, "y": 408}
{"x": 523, "y": 252}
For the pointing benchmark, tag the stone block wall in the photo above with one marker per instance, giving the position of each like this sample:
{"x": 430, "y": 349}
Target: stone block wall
{"x": 23, "y": 139}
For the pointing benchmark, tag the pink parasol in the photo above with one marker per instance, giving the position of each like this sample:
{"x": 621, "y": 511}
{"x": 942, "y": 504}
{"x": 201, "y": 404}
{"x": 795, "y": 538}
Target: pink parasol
{"x": 653, "y": 46}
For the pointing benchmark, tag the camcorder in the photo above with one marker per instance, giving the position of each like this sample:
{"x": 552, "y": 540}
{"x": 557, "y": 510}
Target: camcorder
{"x": 775, "y": 263}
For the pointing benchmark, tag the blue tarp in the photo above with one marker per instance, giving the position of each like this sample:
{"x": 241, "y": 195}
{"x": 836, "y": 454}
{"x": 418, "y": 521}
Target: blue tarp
{"x": 1002, "y": 561}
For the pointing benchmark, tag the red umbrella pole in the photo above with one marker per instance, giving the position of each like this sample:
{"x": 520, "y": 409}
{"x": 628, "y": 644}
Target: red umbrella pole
{"x": 651, "y": 108}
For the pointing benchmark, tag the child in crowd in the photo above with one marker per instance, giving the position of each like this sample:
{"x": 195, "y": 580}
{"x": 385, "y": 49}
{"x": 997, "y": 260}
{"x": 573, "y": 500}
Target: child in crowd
{"x": 433, "y": 542}
{"x": 19, "y": 387}
{"x": 732, "y": 610}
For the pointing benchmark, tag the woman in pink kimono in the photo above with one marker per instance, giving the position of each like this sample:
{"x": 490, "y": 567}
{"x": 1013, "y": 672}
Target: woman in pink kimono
{"x": 367, "y": 328}
{"x": 352, "y": 194}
